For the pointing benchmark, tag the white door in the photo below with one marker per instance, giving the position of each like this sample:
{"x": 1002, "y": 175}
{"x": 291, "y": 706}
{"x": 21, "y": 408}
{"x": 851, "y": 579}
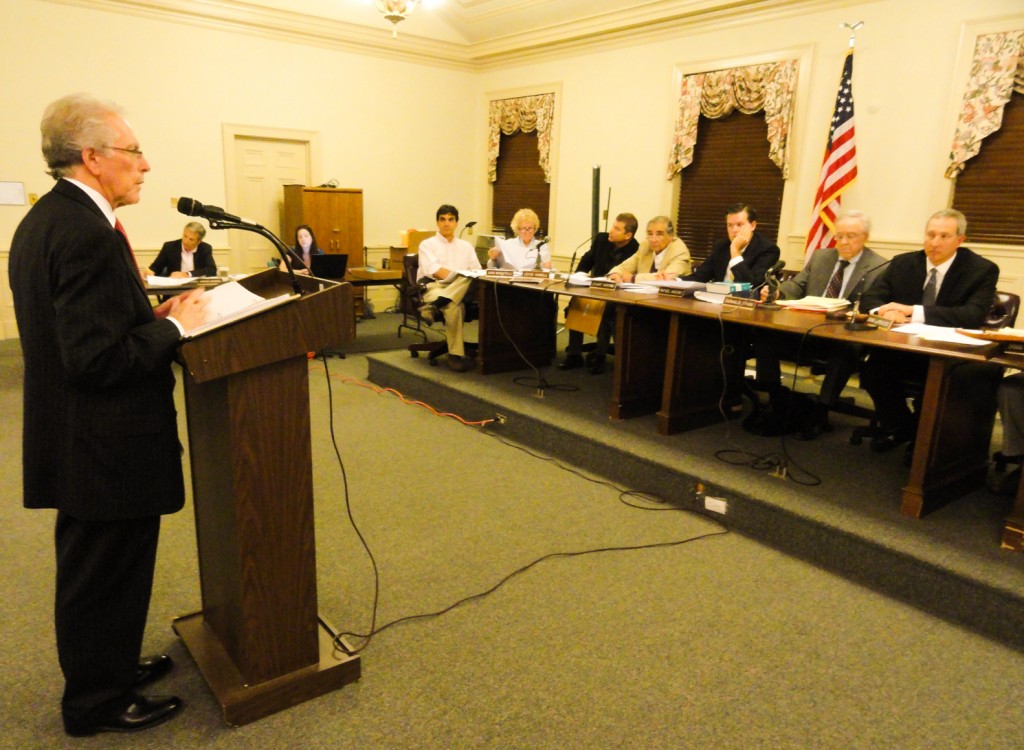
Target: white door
{"x": 261, "y": 166}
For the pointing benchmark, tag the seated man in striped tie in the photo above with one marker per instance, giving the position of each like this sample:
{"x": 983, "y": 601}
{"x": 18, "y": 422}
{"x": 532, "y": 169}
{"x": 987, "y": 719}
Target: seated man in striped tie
{"x": 943, "y": 284}
{"x": 846, "y": 270}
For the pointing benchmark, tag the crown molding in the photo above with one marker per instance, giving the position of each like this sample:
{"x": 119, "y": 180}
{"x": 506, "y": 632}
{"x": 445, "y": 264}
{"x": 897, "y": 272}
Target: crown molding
{"x": 646, "y": 22}
{"x": 288, "y": 26}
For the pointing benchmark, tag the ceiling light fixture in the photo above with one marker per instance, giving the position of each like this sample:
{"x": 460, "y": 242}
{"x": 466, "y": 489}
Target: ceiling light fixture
{"x": 395, "y": 11}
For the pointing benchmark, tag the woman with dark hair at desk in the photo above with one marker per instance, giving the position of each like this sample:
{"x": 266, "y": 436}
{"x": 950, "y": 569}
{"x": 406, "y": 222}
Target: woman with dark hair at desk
{"x": 305, "y": 248}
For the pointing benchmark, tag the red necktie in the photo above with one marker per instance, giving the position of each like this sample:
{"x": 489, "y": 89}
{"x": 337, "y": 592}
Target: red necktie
{"x": 120, "y": 230}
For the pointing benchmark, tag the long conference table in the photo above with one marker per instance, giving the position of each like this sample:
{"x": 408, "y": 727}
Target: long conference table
{"x": 683, "y": 360}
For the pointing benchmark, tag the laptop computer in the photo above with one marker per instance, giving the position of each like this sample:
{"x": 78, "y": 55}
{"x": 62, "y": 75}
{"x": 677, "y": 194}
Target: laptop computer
{"x": 330, "y": 266}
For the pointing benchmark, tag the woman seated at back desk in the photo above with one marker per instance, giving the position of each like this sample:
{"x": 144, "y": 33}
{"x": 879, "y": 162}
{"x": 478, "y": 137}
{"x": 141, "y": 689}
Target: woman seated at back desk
{"x": 305, "y": 248}
{"x": 520, "y": 252}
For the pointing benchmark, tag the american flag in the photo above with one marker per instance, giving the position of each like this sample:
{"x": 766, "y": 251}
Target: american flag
{"x": 839, "y": 167}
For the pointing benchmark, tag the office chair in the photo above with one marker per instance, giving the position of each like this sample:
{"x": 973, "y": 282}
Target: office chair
{"x": 411, "y": 299}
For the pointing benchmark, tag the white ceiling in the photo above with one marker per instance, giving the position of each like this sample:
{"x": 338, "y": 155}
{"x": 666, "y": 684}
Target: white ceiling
{"x": 478, "y": 22}
{"x": 461, "y": 33}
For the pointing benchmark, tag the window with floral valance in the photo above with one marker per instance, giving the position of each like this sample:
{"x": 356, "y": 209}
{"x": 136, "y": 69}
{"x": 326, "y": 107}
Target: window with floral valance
{"x": 996, "y": 72}
{"x": 522, "y": 114}
{"x": 749, "y": 89}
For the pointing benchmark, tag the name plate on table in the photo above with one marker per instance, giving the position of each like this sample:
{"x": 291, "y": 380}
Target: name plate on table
{"x": 1014, "y": 347}
{"x": 670, "y": 291}
{"x": 740, "y": 301}
{"x": 501, "y": 273}
{"x": 536, "y": 274}
{"x": 603, "y": 284}
{"x": 877, "y": 320}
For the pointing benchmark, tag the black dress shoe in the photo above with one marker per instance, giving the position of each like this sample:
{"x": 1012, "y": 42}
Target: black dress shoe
{"x": 596, "y": 367}
{"x": 886, "y": 441}
{"x": 141, "y": 713}
{"x": 152, "y": 668}
{"x": 571, "y": 362}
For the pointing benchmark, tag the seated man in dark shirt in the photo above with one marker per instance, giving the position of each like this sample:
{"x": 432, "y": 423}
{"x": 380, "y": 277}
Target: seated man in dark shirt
{"x": 943, "y": 284}
{"x": 189, "y": 256}
{"x": 607, "y": 250}
{"x": 744, "y": 257}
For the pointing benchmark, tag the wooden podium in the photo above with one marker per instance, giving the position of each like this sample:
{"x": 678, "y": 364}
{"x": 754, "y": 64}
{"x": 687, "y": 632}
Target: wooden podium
{"x": 259, "y": 640}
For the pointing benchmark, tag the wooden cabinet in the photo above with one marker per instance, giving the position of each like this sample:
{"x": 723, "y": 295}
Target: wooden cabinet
{"x": 336, "y": 216}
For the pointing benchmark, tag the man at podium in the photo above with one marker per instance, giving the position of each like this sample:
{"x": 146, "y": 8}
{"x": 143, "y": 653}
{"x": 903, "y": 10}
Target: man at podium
{"x": 100, "y": 442}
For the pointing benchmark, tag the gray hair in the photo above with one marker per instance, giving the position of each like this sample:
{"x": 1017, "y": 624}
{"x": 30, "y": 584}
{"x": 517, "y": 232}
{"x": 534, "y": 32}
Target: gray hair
{"x": 863, "y": 218}
{"x": 669, "y": 227}
{"x": 950, "y": 213}
{"x": 74, "y": 123}
{"x": 195, "y": 226}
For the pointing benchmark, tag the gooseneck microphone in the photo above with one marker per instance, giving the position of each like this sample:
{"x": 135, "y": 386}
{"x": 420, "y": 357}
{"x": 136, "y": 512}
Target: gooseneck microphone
{"x": 192, "y": 207}
{"x": 221, "y": 219}
{"x": 771, "y": 279}
{"x": 855, "y": 295}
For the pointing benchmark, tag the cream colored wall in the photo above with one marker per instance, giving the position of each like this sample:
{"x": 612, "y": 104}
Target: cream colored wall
{"x": 399, "y": 131}
{"x": 617, "y": 110}
{"x": 412, "y": 136}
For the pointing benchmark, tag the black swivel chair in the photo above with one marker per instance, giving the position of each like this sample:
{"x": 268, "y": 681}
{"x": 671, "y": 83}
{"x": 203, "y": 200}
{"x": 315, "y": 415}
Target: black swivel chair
{"x": 410, "y": 301}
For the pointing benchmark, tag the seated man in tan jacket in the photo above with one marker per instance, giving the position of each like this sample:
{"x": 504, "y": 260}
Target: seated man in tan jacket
{"x": 662, "y": 256}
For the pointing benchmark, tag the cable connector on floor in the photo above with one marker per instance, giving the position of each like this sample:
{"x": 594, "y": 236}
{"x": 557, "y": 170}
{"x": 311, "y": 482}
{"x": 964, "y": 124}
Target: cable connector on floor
{"x": 500, "y": 418}
{"x": 779, "y": 472}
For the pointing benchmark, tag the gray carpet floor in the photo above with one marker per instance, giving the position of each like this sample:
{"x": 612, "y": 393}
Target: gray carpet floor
{"x": 713, "y": 642}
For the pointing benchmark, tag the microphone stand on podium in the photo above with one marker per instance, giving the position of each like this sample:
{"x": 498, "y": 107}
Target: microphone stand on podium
{"x": 259, "y": 639}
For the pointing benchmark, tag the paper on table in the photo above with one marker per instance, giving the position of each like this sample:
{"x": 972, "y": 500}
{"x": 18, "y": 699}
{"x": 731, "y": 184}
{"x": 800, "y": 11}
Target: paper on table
{"x": 938, "y": 333}
{"x": 714, "y": 299}
{"x": 167, "y": 281}
{"x": 821, "y": 304}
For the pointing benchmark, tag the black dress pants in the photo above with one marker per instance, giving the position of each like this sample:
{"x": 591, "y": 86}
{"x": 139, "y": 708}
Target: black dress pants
{"x": 104, "y": 582}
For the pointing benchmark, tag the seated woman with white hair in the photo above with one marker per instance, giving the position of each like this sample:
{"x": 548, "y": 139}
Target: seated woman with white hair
{"x": 520, "y": 252}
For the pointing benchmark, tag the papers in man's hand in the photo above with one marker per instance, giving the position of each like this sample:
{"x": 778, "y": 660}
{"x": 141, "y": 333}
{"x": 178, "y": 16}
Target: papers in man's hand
{"x": 815, "y": 304}
{"x": 232, "y": 301}
{"x": 470, "y": 273}
{"x": 160, "y": 282}
{"x": 938, "y": 333}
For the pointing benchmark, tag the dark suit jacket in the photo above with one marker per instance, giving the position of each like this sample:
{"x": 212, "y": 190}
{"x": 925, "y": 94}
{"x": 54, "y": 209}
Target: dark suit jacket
{"x": 812, "y": 281}
{"x": 965, "y": 297}
{"x": 100, "y": 430}
{"x": 603, "y": 256}
{"x": 169, "y": 260}
{"x": 758, "y": 256}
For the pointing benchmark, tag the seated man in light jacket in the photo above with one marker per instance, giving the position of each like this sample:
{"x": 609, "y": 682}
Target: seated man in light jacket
{"x": 662, "y": 256}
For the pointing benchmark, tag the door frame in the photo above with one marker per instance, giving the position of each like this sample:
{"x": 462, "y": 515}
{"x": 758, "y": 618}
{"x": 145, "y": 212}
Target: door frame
{"x": 230, "y": 133}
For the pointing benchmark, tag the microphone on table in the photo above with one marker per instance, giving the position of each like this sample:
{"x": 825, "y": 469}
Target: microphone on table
{"x": 853, "y": 324}
{"x": 772, "y": 281}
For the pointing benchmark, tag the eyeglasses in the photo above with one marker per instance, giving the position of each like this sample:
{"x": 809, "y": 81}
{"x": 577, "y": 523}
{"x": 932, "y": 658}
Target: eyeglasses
{"x": 136, "y": 152}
